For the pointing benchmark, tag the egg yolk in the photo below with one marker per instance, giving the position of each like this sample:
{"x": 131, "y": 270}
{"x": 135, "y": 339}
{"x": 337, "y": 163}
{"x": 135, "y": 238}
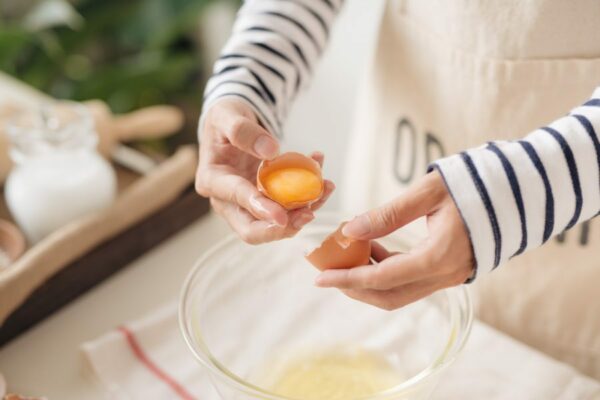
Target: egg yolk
{"x": 290, "y": 185}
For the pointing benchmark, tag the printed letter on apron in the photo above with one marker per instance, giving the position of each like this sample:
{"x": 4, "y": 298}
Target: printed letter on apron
{"x": 453, "y": 74}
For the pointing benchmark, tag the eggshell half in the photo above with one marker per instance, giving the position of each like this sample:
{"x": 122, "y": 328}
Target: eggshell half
{"x": 289, "y": 160}
{"x": 339, "y": 251}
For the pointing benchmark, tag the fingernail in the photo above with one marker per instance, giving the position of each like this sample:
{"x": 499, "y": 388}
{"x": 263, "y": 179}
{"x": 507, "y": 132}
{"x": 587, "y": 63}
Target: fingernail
{"x": 319, "y": 281}
{"x": 302, "y": 220}
{"x": 260, "y": 206}
{"x": 330, "y": 186}
{"x": 322, "y": 281}
{"x": 266, "y": 147}
{"x": 358, "y": 227}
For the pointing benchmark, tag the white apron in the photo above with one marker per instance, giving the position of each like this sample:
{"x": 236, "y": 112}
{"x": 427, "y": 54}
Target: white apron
{"x": 452, "y": 74}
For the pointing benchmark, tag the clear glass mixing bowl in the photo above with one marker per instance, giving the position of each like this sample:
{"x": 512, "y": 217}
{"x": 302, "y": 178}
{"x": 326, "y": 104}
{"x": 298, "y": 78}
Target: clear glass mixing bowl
{"x": 248, "y": 311}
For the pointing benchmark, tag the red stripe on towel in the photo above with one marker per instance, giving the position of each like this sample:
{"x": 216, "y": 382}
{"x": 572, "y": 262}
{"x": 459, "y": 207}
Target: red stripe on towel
{"x": 152, "y": 367}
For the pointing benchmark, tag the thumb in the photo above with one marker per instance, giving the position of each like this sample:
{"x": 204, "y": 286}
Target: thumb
{"x": 247, "y": 135}
{"x": 417, "y": 201}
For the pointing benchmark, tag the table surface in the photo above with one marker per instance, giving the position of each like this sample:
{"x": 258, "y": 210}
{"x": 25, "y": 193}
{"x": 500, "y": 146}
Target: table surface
{"x": 47, "y": 361}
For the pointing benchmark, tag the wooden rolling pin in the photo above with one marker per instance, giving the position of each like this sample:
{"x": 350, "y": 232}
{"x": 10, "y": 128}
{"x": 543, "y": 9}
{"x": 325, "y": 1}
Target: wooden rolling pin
{"x": 147, "y": 123}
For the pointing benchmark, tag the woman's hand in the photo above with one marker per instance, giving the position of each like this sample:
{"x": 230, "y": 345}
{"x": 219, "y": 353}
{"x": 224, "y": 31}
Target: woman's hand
{"x": 444, "y": 259}
{"x": 232, "y": 146}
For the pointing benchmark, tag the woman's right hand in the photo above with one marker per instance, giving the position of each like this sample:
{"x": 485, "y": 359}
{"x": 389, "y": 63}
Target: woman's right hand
{"x": 233, "y": 144}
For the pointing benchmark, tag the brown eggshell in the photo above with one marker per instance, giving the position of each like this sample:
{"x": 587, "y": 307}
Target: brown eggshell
{"x": 289, "y": 160}
{"x": 339, "y": 251}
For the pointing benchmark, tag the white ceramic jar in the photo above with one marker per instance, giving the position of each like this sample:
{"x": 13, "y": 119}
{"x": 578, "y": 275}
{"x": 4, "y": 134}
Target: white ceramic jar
{"x": 58, "y": 174}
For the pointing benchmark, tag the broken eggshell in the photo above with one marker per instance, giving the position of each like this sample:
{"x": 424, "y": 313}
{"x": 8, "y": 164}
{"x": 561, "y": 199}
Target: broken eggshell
{"x": 284, "y": 161}
{"x": 339, "y": 251}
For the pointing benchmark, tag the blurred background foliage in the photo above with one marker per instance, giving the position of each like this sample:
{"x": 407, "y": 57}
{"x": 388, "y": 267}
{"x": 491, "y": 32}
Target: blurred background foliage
{"x": 129, "y": 53}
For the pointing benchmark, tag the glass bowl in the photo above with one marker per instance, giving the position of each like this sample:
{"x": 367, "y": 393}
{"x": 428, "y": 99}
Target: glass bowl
{"x": 253, "y": 318}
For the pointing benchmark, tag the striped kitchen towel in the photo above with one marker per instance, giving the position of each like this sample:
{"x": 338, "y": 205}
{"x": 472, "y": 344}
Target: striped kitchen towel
{"x": 148, "y": 360}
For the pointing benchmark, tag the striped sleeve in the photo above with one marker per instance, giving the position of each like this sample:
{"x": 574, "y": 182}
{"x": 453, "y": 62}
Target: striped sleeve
{"x": 515, "y": 195}
{"x": 270, "y": 55}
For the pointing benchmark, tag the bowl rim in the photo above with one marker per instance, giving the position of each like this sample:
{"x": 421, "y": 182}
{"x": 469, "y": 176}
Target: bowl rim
{"x": 440, "y": 363}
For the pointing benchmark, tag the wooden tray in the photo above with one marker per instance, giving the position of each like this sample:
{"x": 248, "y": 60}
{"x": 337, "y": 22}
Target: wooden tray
{"x": 148, "y": 209}
{"x": 100, "y": 263}
{"x": 75, "y": 258}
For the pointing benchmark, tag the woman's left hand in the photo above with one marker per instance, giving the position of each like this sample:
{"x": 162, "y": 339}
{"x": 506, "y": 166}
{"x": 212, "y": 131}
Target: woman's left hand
{"x": 444, "y": 259}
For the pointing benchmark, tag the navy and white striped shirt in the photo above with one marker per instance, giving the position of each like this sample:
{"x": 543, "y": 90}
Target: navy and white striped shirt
{"x": 271, "y": 54}
{"x": 512, "y": 196}
{"x": 515, "y": 195}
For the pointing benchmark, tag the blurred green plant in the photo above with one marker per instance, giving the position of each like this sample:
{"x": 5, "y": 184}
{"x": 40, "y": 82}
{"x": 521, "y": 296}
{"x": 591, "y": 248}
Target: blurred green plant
{"x": 129, "y": 53}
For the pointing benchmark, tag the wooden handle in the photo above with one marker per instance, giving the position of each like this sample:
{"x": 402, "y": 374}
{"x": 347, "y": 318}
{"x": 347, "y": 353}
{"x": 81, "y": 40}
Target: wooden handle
{"x": 147, "y": 123}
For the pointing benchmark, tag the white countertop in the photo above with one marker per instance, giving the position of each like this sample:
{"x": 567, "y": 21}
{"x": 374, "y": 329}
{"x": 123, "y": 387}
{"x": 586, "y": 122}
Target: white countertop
{"x": 46, "y": 361}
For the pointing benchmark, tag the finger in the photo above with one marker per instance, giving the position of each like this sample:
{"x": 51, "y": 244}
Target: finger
{"x": 235, "y": 189}
{"x": 417, "y": 201}
{"x": 328, "y": 190}
{"x": 243, "y": 223}
{"x": 318, "y": 157}
{"x": 245, "y": 133}
{"x": 299, "y": 218}
{"x": 396, "y": 269}
{"x": 380, "y": 253}
{"x": 251, "y": 230}
{"x": 393, "y": 271}
{"x": 397, "y": 297}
